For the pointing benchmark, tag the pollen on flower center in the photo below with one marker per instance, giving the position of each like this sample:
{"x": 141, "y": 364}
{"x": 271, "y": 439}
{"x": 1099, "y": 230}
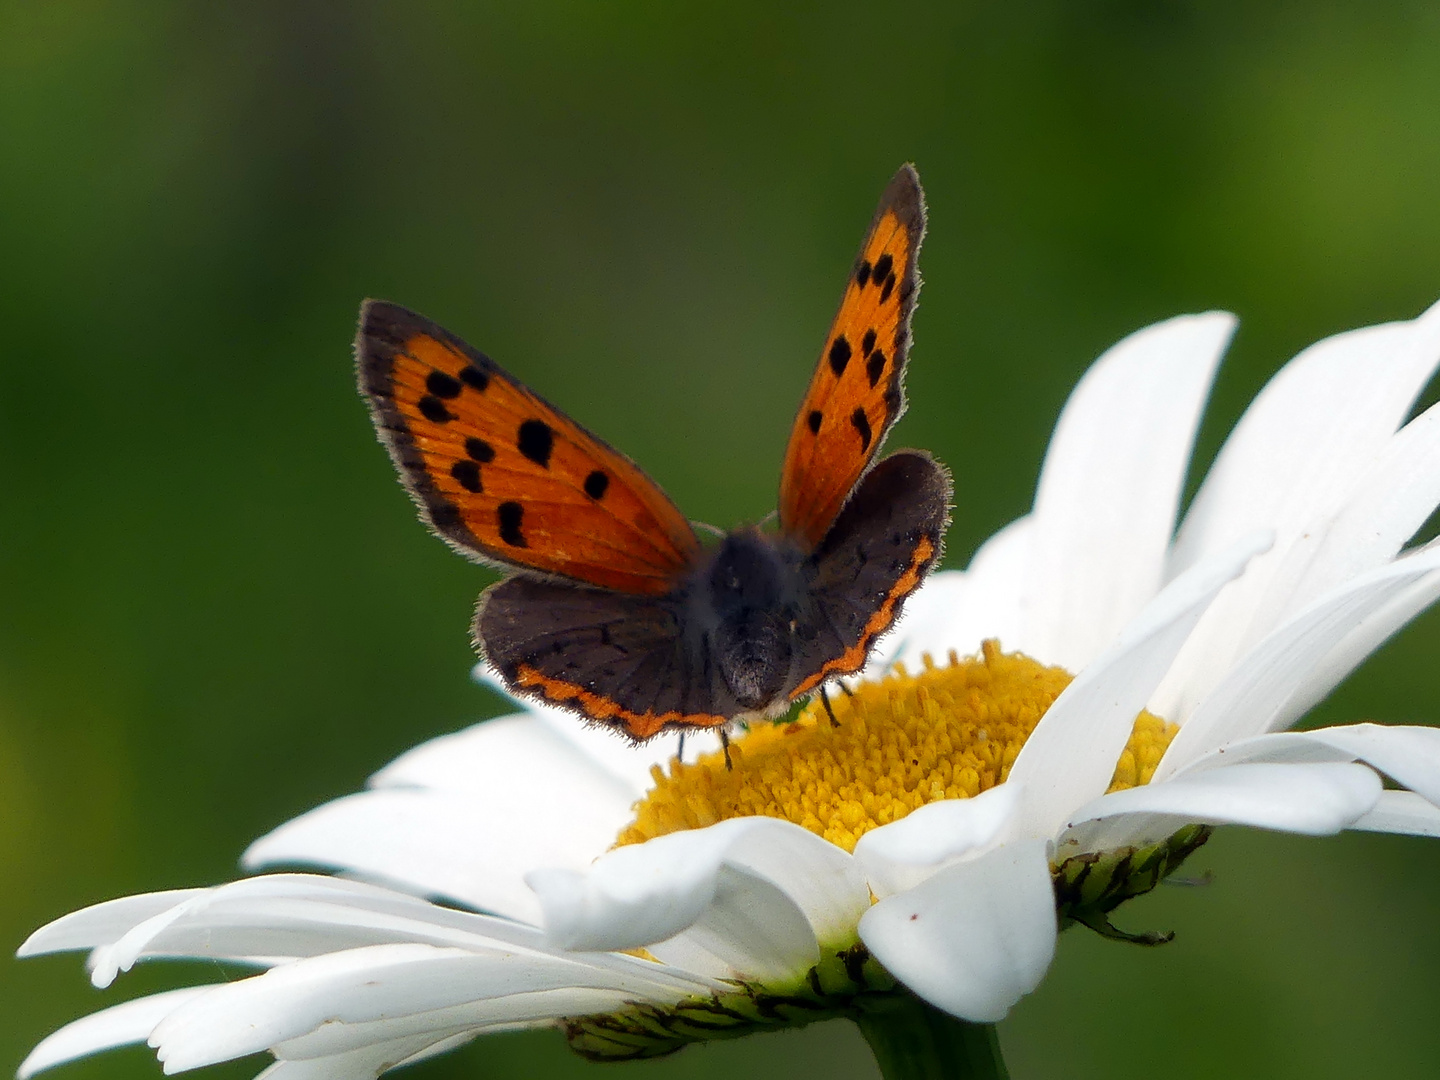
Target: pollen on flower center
{"x": 946, "y": 732}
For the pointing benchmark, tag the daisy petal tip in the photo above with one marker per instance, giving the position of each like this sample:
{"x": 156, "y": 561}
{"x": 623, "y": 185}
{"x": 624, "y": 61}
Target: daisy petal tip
{"x": 975, "y": 937}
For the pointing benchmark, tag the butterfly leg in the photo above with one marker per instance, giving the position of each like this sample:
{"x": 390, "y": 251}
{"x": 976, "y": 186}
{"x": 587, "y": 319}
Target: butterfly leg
{"x": 829, "y": 711}
{"x": 680, "y": 749}
{"x": 725, "y": 745}
{"x": 844, "y": 689}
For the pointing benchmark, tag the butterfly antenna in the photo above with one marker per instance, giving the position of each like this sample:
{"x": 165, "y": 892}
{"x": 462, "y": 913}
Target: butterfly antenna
{"x": 767, "y": 519}
{"x": 705, "y": 526}
{"x": 725, "y": 745}
{"x": 825, "y": 697}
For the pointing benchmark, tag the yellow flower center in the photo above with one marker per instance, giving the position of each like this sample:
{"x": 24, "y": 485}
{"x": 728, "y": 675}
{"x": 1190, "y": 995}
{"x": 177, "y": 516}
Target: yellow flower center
{"x": 945, "y": 733}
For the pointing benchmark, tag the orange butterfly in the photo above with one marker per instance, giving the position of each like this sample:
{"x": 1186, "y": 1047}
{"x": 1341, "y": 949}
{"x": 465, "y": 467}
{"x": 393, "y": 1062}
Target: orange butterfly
{"x": 614, "y": 608}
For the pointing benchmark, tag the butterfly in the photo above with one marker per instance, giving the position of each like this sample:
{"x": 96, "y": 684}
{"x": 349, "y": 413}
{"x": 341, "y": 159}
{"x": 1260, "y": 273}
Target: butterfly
{"x": 613, "y": 608}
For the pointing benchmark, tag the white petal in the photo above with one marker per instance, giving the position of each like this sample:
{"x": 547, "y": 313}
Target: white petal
{"x": 1357, "y": 644}
{"x": 645, "y": 893}
{"x": 751, "y": 928}
{"x": 1071, "y": 755}
{"x": 527, "y": 807}
{"x": 246, "y": 920}
{"x": 118, "y": 1025}
{"x": 1252, "y": 696}
{"x": 103, "y": 922}
{"x": 508, "y": 1012}
{"x": 1385, "y": 508}
{"x": 442, "y": 1047}
{"x": 1401, "y": 812}
{"x": 1304, "y": 442}
{"x": 998, "y": 587}
{"x": 1408, "y": 755}
{"x": 975, "y": 938}
{"x": 384, "y": 982}
{"x": 293, "y": 915}
{"x": 1315, "y": 800}
{"x": 1110, "y": 486}
{"x": 901, "y": 855}
{"x": 628, "y": 762}
{"x": 466, "y": 760}
{"x": 361, "y": 1063}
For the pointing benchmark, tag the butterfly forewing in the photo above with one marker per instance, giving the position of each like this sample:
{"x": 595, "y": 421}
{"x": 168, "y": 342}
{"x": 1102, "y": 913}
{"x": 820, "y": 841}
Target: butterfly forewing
{"x": 856, "y": 393}
{"x": 504, "y": 475}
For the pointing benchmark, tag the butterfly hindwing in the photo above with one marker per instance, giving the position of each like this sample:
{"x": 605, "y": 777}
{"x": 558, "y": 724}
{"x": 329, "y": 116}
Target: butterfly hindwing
{"x": 857, "y": 390}
{"x": 880, "y": 548}
{"x": 505, "y": 476}
{"x": 618, "y": 659}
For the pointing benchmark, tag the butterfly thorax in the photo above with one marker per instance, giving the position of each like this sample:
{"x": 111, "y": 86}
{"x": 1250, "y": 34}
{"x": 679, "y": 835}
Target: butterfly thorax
{"x": 746, "y": 601}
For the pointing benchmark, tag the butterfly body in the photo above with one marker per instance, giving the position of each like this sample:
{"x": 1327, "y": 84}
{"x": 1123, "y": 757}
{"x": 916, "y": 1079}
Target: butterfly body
{"x": 615, "y": 609}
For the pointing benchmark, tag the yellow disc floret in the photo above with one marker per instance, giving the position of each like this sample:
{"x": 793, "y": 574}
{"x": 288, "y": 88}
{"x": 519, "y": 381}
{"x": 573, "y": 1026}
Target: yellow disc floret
{"x": 945, "y": 733}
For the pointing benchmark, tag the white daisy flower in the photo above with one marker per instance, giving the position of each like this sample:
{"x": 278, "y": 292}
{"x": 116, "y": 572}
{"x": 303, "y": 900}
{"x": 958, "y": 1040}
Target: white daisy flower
{"x": 1124, "y": 689}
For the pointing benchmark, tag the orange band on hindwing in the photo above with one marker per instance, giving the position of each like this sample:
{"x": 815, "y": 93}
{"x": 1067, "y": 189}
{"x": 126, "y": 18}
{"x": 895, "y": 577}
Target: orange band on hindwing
{"x": 638, "y": 725}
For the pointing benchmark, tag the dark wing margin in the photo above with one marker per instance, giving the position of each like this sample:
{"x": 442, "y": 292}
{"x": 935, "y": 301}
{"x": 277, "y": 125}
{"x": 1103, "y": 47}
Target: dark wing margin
{"x": 381, "y": 337}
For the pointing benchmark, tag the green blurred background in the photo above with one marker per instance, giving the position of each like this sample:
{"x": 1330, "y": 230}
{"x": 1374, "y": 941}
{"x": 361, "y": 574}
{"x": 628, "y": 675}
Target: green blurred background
{"x": 219, "y": 610}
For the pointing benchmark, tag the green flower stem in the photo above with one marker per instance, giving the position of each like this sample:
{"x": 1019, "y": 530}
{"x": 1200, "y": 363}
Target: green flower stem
{"x": 915, "y": 1041}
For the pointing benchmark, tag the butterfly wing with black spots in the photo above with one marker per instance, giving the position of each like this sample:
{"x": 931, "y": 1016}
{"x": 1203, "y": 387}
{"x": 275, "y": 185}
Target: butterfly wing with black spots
{"x": 857, "y": 391}
{"x": 503, "y": 475}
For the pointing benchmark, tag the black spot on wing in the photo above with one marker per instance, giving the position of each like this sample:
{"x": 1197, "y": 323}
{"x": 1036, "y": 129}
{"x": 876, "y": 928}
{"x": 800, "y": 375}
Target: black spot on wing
{"x": 889, "y": 286}
{"x": 839, "y": 355}
{"x": 473, "y": 377}
{"x": 433, "y": 409}
{"x": 511, "y": 515}
{"x": 535, "y": 441}
{"x": 480, "y": 450}
{"x": 467, "y": 475}
{"x": 862, "y": 425}
{"x": 883, "y": 266}
{"x": 596, "y": 484}
{"x": 862, "y": 273}
{"x": 867, "y": 343}
{"x": 875, "y": 366}
{"x": 814, "y": 421}
{"x": 442, "y": 385}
